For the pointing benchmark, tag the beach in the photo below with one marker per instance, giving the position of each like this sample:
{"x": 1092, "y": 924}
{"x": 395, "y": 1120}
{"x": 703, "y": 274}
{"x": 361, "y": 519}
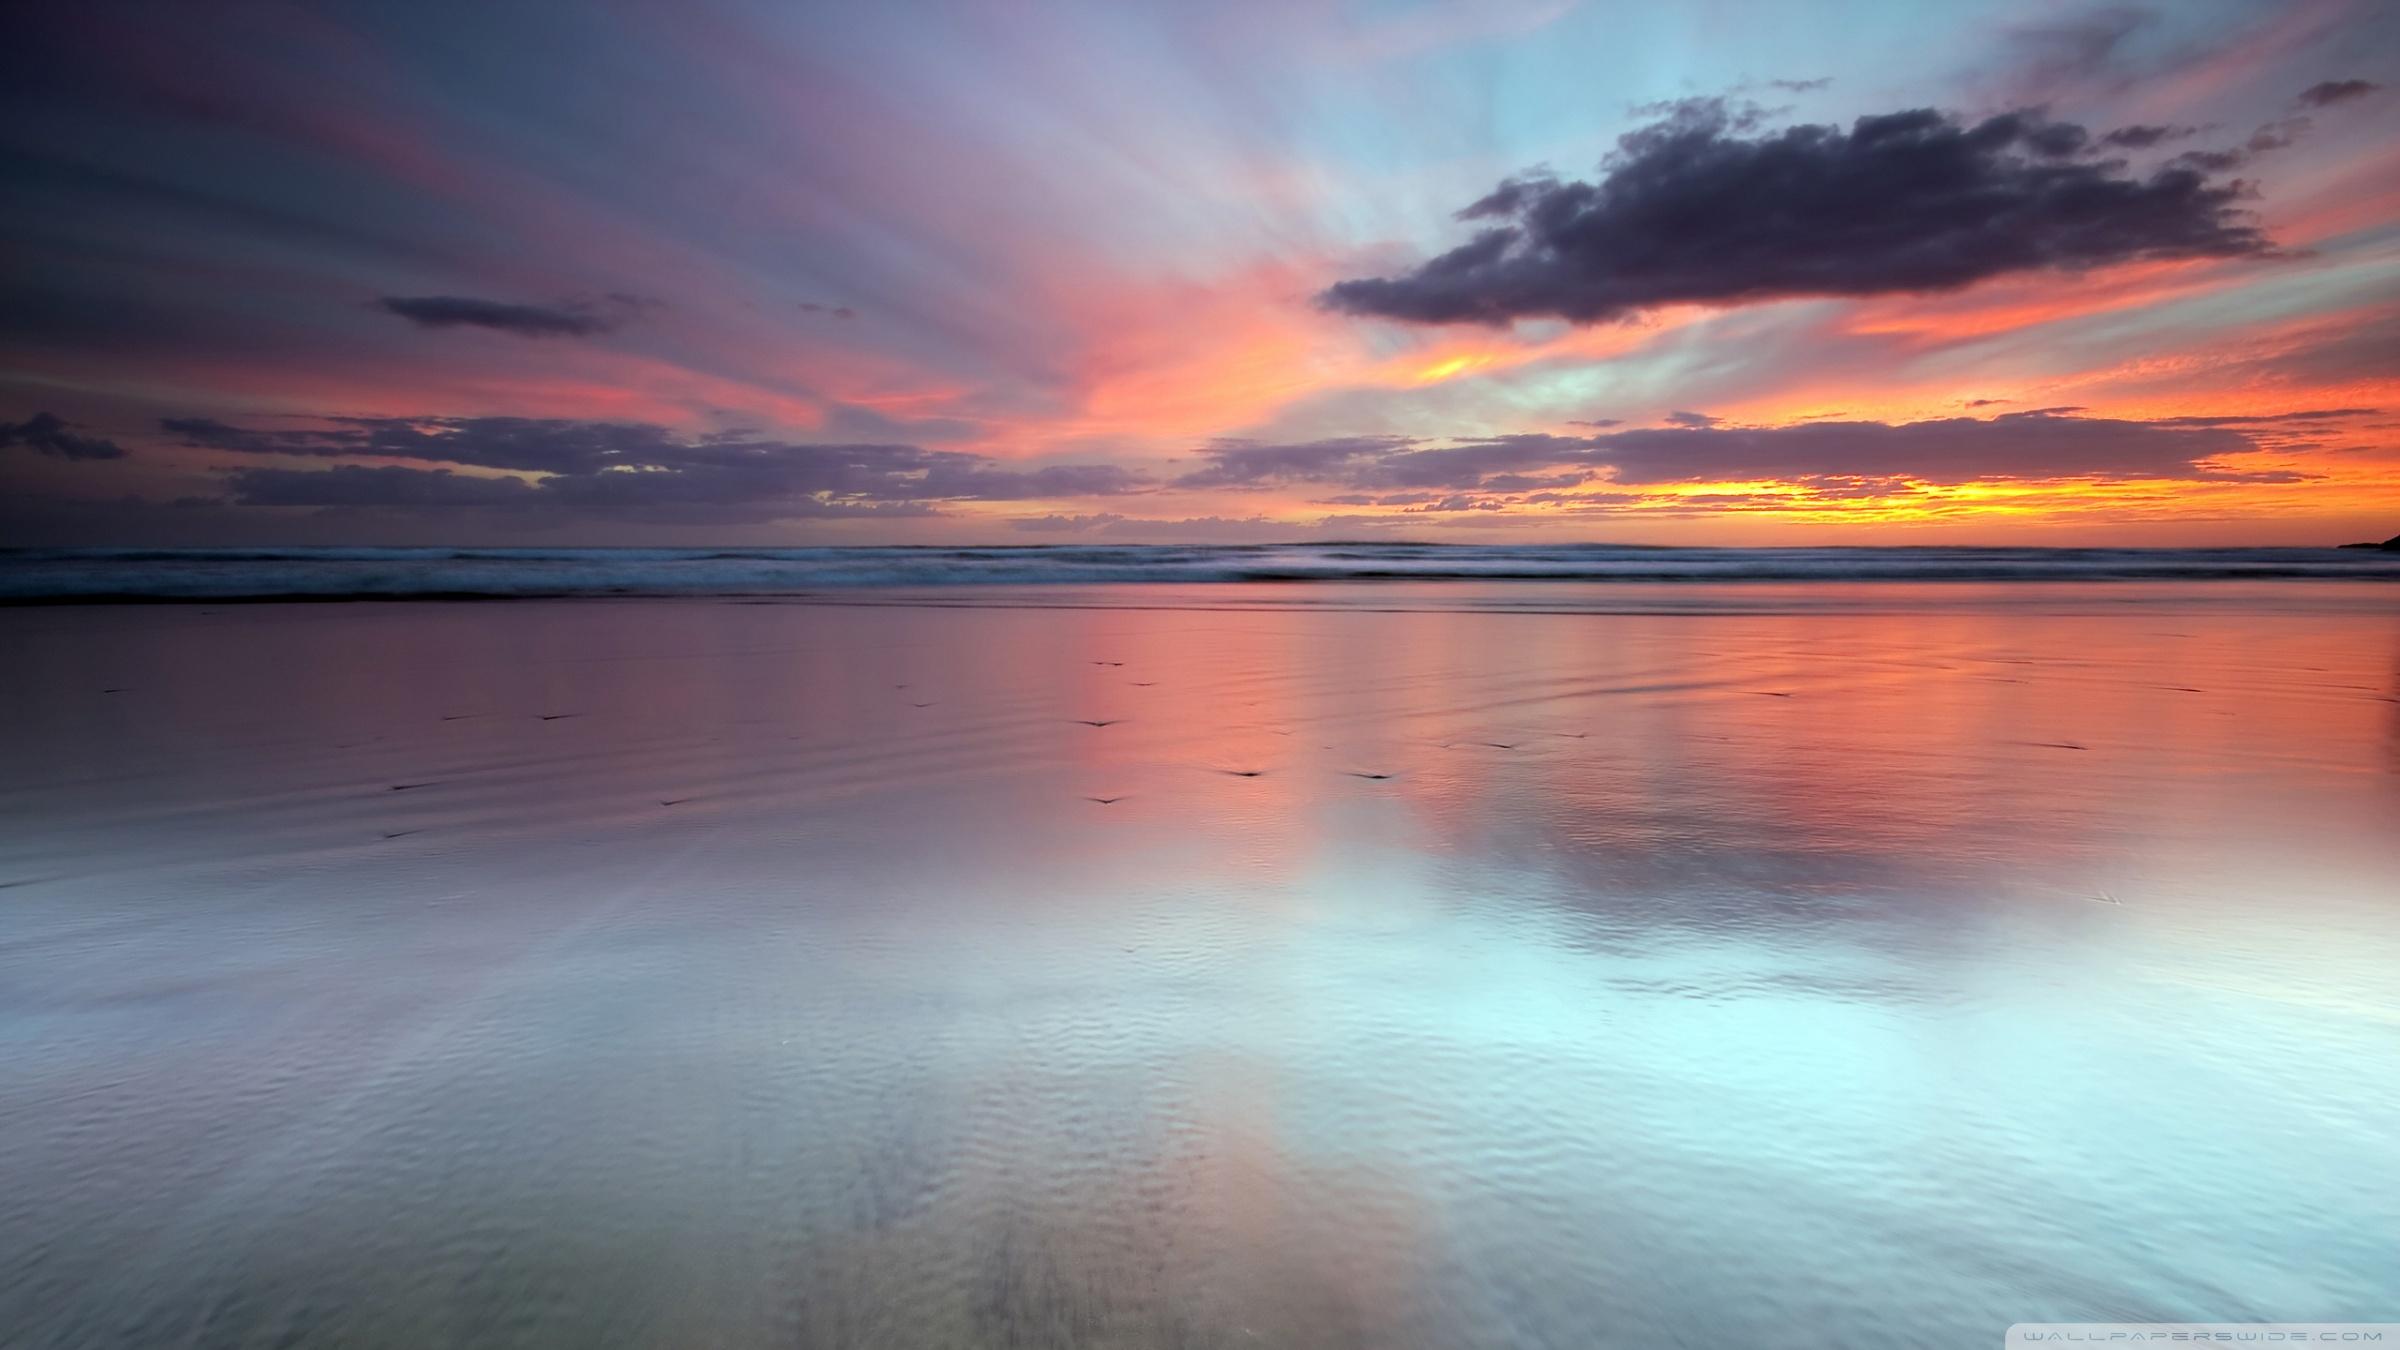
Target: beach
{"x": 1408, "y": 963}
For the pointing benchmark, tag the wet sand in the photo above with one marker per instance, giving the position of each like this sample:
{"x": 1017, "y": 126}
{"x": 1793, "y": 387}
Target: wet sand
{"x": 1421, "y": 966}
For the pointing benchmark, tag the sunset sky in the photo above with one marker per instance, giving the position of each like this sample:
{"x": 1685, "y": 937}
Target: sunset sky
{"x": 1227, "y": 271}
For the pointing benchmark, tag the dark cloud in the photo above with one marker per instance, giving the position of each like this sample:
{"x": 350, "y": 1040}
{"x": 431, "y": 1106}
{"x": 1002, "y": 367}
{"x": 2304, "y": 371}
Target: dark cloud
{"x": 2330, "y": 92}
{"x": 2025, "y": 445}
{"x": 961, "y": 477}
{"x": 1695, "y": 209}
{"x": 2211, "y": 161}
{"x": 2142, "y": 136}
{"x": 2269, "y": 419}
{"x": 1379, "y": 462}
{"x": 349, "y": 485}
{"x": 1248, "y": 464}
{"x": 1801, "y": 86}
{"x": 2277, "y": 135}
{"x": 1693, "y": 419}
{"x": 532, "y": 321}
{"x": 1520, "y": 482}
{"x": 391, "y": 488}
{"x": 2043, "y": 444}
{"x": 621, "y": 469}
{"x": 47, "y": 434}
{"x": 531, "y": 444}
{"x": 2269, "y": 136}
{"x": 1469, "y": 464}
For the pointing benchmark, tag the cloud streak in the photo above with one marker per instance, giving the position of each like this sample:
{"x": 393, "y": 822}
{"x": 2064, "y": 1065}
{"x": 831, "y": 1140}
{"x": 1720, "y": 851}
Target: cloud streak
{"x": 620, "y": 470}
{"x": 2044, "y": 445}
{"x": 47, "y": 434}
{"x": 1696, "y": 208}
{"x": 499, "y": 316}
{"x": 2326, "y": 93}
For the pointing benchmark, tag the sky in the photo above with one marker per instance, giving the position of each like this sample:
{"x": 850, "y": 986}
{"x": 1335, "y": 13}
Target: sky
{"x": 1243, "y": 270}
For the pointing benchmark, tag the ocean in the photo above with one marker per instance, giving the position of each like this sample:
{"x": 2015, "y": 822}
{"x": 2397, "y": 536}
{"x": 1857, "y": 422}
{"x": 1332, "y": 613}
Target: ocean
{"x": 464, "y": 573}
{"x": 1876, "y": 950}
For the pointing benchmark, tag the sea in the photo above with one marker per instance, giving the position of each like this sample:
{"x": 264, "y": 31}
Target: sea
{"x": 497, "y": 573}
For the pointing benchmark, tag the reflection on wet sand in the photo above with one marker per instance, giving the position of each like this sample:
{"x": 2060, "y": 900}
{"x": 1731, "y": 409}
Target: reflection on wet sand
{"x": 1394, "y": 973}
